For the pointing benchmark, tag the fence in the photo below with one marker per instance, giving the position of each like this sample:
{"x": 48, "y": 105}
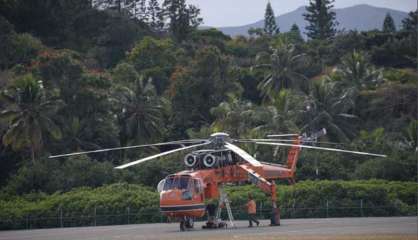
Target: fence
{"x": 98, "y": 216}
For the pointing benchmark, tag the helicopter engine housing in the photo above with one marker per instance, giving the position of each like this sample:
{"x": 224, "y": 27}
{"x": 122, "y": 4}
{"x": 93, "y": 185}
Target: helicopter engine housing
{"x": 210, "y": 160}
{"x": 190, "y": 160}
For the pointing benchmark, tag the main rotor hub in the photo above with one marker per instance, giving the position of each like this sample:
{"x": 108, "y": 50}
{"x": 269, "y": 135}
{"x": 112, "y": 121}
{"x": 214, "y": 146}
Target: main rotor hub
{"x": 219, "y": 139}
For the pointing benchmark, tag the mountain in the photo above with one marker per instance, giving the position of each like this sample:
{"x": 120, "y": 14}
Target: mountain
{"x": 361, "y": 17}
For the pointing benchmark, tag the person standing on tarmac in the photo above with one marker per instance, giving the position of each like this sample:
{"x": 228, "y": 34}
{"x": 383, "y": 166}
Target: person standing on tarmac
{"x": 252, "y": 210}
{"x": 211, "y": 211}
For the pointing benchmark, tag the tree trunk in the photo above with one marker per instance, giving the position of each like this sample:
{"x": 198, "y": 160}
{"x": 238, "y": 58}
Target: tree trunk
{"x": 32, "y": 153}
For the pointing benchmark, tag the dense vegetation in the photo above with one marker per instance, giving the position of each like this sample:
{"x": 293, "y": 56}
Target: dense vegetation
{"x": 123, "y": 203}
{"x": 85, "y": 75}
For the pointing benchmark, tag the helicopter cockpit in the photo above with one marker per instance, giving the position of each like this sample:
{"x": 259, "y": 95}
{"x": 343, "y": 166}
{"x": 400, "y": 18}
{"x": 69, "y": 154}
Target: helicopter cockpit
{"x": 180, "y": 182}
{"x": 182, "y": 195}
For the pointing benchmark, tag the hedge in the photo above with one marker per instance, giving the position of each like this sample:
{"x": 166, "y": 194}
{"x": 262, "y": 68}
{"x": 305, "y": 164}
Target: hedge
{"x": 129, "y": 203}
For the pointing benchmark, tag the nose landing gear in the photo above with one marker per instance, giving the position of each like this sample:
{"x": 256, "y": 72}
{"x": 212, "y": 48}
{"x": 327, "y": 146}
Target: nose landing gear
{"x": 186, "y": 223}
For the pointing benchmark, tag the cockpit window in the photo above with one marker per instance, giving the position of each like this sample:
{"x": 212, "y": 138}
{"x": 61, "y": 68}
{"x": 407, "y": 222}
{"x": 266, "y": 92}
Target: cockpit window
{"x": 197, "y": 186}
{"x": 183, "y": 182}
{"x": 176, "y": 182}
{"x": 160, "y": 185}
{"x": 168, "y": 183}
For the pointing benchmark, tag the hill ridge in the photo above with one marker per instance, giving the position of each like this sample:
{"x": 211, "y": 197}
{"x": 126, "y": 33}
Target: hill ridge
{"x": 360, "y": 17}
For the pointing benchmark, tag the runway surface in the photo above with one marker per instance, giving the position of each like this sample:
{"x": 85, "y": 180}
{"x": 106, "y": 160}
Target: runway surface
{"x": 329, "y": 228}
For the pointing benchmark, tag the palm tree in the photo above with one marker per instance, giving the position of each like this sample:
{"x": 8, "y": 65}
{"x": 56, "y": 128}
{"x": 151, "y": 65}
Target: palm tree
{"x": 285, "y": 110}
{"x": 410, "y": 138}
{"x": 238, "y": 117}
{"x": 329, "y": 108}
{"x": 141, "y": 112}
{"x": 283, "y": 73}
{"x": 241, "y": 119}
{"x": 356, "y": 71}
{"x": 78, "y": 132}
{"x": 28, "y": 114}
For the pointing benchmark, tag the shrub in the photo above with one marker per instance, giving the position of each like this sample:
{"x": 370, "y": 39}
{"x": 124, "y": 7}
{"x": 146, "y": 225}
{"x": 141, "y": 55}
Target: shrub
{"x": 110, "y": 204}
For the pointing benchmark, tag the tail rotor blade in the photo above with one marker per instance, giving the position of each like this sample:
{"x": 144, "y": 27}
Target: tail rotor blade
{"x": 321, "y": 148}
{"x": 247, "y": 157}
{"x": 161, "y": 154}
{"x": 181, "y": 142}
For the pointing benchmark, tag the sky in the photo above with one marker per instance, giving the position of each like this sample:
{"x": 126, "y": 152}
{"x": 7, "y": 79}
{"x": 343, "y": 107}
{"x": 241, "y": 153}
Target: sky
{"x": 221, "y": 13}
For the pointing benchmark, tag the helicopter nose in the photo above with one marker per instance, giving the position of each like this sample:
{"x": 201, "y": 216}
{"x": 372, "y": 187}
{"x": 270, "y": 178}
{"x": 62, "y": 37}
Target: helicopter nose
{"x": 178, "y": 203}
{"x": 175, "y": 195}
{"x": 170, "y": 196}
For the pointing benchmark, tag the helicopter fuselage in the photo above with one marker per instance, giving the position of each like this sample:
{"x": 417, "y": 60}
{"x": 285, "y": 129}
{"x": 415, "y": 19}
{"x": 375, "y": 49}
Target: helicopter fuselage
{"x": 183, "y": 194}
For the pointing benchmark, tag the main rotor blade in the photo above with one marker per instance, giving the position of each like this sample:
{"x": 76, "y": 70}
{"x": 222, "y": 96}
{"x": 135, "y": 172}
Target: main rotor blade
{"x": 180, "y": 142}
{"x": 282, "y": 135}
{"x": 281, "y": 140}
{"x": 160, "y": 155}
{"x": 247, "y": 157}
{"x": 321, "y": 148}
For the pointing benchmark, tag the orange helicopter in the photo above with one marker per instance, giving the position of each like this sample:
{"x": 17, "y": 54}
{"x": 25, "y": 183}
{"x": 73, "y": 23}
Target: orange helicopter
{"x": 219, "y": 161}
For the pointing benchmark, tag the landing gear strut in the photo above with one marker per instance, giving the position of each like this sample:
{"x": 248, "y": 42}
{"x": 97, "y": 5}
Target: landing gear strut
{"x": 275, "y": 215}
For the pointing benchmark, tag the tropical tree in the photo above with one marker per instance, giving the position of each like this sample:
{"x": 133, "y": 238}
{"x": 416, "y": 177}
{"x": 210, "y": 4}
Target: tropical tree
{"x": 156, "y": 20}
{"x": 204, "y": 84}
{"x": 356, "y": 71}
{"x": 154, "y": 59}
{"x": 140, "y": 112}
{"x": 125, "y": 73}
{"x": 29, "y": 114}
{"x": 78, "y": 134}
{"x": 242, "y": 119}
{"x": 411, "y": 22}
{"x": 389, "y": 24}
{"x": 330, "y": 108}
{"x": 151, "y": 53}
{"x": 238, "y": 117}
{"x": 285, "y": 110}
{"x": 270, "y": 26}
{"x": 283, "y": 73}
{"x": 294, "y": 34}
{"x": 321, "y": 19}
{"x": 183, "y": 18}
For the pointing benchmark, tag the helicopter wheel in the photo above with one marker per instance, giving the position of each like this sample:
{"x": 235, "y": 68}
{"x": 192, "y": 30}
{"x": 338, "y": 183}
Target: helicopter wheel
{"x": 189, "y": 222}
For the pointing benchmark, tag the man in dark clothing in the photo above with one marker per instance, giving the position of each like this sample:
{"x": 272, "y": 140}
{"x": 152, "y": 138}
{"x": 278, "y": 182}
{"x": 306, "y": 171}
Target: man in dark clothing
{"x": 211, "y": 211}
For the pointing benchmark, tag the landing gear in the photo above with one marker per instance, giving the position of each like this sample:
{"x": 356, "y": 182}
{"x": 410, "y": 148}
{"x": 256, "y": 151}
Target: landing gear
{"x": 275, "y": 215}
{"x": 186, "y": 223}
{"x": 216, "y": 221}
{"x": 213, "y": 225}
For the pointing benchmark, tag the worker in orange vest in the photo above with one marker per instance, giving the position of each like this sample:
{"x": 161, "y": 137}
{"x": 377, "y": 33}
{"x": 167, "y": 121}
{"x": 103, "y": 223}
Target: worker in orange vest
{"x": 252, "y": 210}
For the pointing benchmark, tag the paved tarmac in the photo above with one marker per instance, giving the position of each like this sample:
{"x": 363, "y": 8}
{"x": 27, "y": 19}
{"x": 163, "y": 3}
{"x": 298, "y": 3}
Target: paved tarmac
{"x": 324, "y": 228}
